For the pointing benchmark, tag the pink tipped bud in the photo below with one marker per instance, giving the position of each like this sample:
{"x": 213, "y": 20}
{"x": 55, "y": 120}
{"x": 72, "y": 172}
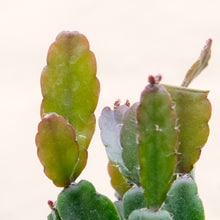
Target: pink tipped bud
{"x": 127, "y": 103}
{"x": 117, "y": 103}
{"x": 158, "y": 78}
{"x": 51, "y": 204}
{"x": 151, "y": 80}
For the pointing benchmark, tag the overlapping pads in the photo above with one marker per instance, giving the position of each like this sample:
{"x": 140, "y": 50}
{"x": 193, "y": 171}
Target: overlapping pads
{"x": 149, "y": 144}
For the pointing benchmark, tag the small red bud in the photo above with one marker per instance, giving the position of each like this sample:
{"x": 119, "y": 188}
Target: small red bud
{"x": 127, "y": 103}
{"x": 51, "y": 204}
{"x": 151, "y": 80}
{"x": 117, "y": 103}
{"x": 158, "y": 78}
{"x": 154, "y": 79}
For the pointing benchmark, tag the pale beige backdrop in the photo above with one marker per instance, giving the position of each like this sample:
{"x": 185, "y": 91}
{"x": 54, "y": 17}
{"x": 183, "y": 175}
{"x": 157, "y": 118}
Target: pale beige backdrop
{"x": 131, "y": 39}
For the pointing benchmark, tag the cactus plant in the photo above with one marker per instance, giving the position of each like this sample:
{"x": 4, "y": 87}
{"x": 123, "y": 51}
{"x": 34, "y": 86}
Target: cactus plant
{"x": 152, "y": 145}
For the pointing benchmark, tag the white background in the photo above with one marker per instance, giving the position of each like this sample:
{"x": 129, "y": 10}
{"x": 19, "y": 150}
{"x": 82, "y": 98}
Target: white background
{"x": 131, "y": 39}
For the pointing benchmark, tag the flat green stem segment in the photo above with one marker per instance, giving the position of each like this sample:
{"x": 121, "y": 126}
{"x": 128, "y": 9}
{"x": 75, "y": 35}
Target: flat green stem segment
{"x": 144, "y": 214}
{"x": 157, "y": 138}
{"x": 81, "y": 201}
{"x": 199, "y": 65}
{"x": 118, "y": 181}
{"x": 110, "y": 123}
{"x": 57, "y": 149}
{"x": 183, "y": 202}
{"x": 70, "y": 87}
{"x": 193, "y": 111}
{"x": 129, "y": 143}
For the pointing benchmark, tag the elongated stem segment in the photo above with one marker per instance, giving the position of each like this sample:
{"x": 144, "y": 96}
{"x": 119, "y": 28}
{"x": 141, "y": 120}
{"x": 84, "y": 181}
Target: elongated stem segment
{"x": 157, "y": 139}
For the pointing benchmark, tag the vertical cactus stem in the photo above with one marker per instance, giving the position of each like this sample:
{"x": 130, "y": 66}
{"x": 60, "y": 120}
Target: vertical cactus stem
{"x": 51, "y": 204}
{"x": 158, "y": 139}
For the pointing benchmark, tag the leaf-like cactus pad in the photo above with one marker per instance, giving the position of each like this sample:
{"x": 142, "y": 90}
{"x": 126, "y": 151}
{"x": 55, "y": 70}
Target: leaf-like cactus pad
{"x": 143, "y": 214}
{"x": 129, "y": 143}
{"x": 70, "y": 87}
{"x": 183, "y": 202}
{"x": 157, "y": 138}
{"x": 193, "y": 112}
{"x": 57, "y": 149}
{"x": 81, "y": 202}
{"x": 110, "y": 123}
{"x": 118, "y": 181}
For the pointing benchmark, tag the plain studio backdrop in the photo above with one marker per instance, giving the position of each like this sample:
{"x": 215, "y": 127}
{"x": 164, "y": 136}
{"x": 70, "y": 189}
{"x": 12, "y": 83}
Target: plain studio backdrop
{"x": 131, "y": 39}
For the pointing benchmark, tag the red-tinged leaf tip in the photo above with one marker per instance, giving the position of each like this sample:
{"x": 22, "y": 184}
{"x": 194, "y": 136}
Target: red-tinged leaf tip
{"x": 51, "y": 204}
{"x": 65, "y": 42}
{"x": 57, "y": 149}
{"x": 66, "y": 34}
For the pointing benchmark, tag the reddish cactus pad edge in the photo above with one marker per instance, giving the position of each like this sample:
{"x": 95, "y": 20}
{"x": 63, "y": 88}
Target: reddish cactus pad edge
{"x": 57, "y": 149}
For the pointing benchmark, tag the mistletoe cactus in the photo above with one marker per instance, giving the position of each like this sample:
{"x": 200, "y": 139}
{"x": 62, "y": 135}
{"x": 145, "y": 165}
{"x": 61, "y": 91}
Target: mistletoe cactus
{"x": 152, "y": 145}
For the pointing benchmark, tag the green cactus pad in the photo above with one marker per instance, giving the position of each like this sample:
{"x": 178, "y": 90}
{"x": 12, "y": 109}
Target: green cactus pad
{"x": 57, "y": 149}
{"x": 144, "y": 214}
{"x": 183, "y": 202}
{"x": 53, "y": 215}
{"x": 157, "y": 138}
{"x": 193, "y": 112}
{"x": 118, "y": 181}
{"x": 70, "y": 87}
{"x": 81, "y": 202}
{"x": 110, "y": 123}
{"x": 133, "y": 199}
{"x": 129, "y": 143}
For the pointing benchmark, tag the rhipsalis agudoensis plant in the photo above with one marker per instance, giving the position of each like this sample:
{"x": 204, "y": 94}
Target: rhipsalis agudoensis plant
{"x": 152, "y": 145}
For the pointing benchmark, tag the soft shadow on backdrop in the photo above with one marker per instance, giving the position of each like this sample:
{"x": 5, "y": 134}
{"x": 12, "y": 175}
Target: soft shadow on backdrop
{"x": 131, "y": 39}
